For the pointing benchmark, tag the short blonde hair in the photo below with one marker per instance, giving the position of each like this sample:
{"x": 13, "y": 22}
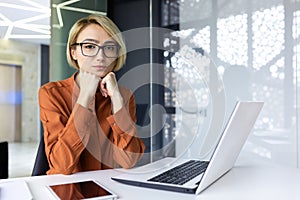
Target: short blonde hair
{"x": 108, "y": 25}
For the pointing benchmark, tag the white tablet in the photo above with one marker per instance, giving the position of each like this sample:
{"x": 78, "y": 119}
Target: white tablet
{"x": 88, "y": 189}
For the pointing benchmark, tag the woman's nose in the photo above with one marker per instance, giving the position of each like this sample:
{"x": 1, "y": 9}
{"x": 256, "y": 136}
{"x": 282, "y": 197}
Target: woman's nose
{"x": 100, "y": 54}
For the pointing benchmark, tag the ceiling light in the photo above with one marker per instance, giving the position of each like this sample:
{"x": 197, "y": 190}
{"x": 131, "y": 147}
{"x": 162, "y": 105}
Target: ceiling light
{"x": 26, "y": 8}
{"x": 19, "y": 36}
{"x": 35, "y": 12}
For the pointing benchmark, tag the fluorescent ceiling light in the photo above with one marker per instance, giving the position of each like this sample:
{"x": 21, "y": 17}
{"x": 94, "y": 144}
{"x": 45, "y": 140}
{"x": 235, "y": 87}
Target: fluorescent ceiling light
{"x": 4, "y": 18}
{"x": 35, "y": 13}
{"x": 34, "y": 28}
{"x": 25, "y": 8}
{"x": 29, "y": 36}
{"x": 34, "y": 4}
{"x": 8, "y": 32}
{"x": 31, "y": 19}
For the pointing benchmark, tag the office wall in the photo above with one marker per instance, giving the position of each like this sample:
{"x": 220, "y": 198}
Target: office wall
{"x": 27, "y": 56}
{"x": 10, "y": 102}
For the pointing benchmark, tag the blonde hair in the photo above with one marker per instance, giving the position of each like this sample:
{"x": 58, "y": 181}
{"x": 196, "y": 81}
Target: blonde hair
{"x": 108, "y": 25}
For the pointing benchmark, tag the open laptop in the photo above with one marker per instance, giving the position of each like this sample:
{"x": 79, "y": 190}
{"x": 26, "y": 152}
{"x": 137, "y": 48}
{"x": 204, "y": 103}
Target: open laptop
{"x": 161, "y": 175}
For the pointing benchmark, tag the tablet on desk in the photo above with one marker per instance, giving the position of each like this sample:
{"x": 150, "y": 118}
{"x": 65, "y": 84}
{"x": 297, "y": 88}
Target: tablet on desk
{"x": 88, "y": 189}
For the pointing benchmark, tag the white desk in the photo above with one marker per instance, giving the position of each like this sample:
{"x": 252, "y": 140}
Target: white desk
{"x": 242, "y": 182}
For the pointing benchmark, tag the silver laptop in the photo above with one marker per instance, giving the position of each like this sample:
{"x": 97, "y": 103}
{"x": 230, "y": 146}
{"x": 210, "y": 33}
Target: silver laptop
{"x": 198, "y": 175}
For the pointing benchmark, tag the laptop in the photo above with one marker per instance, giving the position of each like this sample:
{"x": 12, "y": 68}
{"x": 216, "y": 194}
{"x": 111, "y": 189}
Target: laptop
{"x": 198, "y": 175}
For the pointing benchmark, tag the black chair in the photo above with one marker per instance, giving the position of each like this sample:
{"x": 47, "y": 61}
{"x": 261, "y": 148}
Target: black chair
{"x": 142, "y": 114}
{"x": 41, "y": 165}
{"x": 3, "y": 160}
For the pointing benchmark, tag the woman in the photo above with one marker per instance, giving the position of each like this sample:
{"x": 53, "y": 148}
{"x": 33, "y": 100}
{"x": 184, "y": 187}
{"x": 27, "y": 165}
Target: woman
{"x": 88, "y": 120}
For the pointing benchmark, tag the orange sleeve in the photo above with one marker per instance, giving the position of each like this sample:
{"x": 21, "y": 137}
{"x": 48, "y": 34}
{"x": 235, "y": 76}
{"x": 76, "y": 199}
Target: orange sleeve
{"x": 65, "y": 136}
{"x": 128, "y": 148}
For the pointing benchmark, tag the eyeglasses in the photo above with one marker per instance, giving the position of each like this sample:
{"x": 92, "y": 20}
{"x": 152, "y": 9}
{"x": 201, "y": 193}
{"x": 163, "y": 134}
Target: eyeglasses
{"x": 91, "y": 49}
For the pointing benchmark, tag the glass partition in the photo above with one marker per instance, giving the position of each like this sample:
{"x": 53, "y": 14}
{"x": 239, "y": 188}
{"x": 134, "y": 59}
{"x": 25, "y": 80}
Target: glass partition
{"x": 253, "y": 50}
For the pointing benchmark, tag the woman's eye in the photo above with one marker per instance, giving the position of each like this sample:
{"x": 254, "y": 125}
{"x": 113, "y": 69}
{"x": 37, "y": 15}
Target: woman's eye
{"x": 90, "y": 46}
{"x": 110, "y": 48}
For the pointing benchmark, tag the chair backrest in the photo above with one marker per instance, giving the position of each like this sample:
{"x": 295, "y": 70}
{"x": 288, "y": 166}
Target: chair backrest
{"x": 41, "y": 165}
{"x": 3, "y": 160}
{"x": 142, "y": 114}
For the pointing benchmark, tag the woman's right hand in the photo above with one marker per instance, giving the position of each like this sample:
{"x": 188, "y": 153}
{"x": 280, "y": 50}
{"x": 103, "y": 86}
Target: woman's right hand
{"x": 88, "y": 84}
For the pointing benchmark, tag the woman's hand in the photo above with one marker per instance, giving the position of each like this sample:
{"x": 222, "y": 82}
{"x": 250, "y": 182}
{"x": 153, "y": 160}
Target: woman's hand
{"x": 109, "y": 88}
{"x": 109, "y": 85}
{"x": 88, "y": 83}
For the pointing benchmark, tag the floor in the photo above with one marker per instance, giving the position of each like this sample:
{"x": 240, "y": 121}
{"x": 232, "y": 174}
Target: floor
{"x": 21, "y": 159}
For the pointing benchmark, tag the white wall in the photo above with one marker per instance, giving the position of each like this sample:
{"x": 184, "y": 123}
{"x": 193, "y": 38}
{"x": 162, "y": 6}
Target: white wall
{"x": 28, "y": 56}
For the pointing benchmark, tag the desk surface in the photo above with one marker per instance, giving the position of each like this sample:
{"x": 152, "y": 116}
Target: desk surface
{"x": 242, "y": 182}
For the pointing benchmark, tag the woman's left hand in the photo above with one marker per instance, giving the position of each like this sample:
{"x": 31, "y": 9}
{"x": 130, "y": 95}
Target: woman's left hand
{"x": 109, "y": 85}
{"x": 109, "y": 88}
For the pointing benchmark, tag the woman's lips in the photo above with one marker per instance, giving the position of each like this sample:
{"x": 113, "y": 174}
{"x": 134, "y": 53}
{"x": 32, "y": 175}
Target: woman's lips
{"x": 100, "y": 68}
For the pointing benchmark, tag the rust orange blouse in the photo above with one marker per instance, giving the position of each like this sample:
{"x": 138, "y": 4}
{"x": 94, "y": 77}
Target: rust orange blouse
{"x": 82, "y": 139}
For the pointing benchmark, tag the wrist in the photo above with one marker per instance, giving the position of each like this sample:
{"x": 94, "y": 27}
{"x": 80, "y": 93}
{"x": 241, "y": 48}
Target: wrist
{"x": 117, "y": 102}
{"x": 84, "y": 100}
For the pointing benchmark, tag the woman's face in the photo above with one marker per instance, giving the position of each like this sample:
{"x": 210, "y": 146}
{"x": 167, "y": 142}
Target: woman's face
{"x": 86, "y": 53}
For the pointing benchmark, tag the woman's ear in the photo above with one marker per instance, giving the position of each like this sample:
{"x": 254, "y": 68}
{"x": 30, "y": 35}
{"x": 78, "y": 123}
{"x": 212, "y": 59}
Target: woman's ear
{"x": 73, "y": 53}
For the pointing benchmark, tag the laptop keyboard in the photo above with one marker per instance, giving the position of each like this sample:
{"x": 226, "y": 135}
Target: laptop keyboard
{"x": 181, "y": 173}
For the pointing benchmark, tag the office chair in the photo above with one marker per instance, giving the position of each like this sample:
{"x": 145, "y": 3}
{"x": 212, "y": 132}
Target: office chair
{"x": 142, "y": 112}
{"x": 3, "y": 160}
{"x": 41, "y": 165}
